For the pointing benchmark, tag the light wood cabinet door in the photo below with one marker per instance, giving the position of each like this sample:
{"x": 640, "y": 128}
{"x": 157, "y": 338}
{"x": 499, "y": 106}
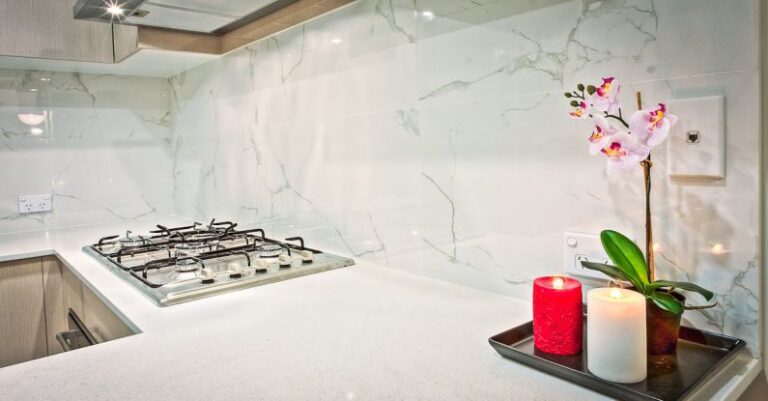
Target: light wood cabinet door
{"x": 63, "y": 291}
{"x": 22, "y": 312}
{"x": 100, "y": 320}
{"x": 47, "y": 29}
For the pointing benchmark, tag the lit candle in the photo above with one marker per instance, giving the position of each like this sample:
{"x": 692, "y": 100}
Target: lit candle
{"x": 557, "y": 315}
{"x": 616, "y": 347}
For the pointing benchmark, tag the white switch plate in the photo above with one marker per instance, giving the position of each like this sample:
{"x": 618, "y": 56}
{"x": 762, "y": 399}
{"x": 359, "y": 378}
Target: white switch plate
{"x": 35, "y": 203}
{"x": 578, "y": 247}
{"x": 696, "y": 144}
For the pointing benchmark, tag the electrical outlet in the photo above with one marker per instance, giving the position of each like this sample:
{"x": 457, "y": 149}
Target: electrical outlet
{"x": 35, "y": 203}
{"x": 583, "y": 247}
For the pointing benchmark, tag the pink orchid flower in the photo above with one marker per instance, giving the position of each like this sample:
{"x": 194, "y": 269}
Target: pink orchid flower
{"x": 652, "y": 126}
{"x": 601, "y": 135}
{"x": 580, "y": 111}
{"x": 624, "y": 152}
{"x": 606, "y": 96}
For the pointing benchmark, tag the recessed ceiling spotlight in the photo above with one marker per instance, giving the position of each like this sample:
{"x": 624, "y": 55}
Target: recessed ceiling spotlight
{"x": 428, "y": 15}
{"x": 114, "y": 8}
{"x": 336, "y": 41}
{"x": 35, "y": 131}
{"x": 32, "y": 118}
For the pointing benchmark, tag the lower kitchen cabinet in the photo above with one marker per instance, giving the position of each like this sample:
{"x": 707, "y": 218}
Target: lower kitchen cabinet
{"x": 22, "y": 312}
{"x": 36, "y": 296}
{"x": 100, "y": 320}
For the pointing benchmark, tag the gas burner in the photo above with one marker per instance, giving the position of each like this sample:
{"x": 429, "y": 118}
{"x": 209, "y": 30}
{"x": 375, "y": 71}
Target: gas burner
{"x": 177, "y": 264}
{"x": 195, "y": 248}
{"x": 187, "y": 265}
{"x": 183, "y": 271}
{"x": 132, "y": 241}
{"x": 269, "y": 250}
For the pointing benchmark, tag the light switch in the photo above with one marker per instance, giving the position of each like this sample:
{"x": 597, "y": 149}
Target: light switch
{"x": 583, "y": 247}
{"x": 696, "y": 144}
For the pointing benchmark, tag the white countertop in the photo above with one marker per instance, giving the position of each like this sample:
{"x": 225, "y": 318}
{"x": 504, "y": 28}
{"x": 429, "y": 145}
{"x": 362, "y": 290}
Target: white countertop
{"x": 358, "y": 333}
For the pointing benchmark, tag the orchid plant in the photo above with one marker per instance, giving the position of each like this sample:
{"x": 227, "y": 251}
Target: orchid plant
{"x": 627, "y": 144}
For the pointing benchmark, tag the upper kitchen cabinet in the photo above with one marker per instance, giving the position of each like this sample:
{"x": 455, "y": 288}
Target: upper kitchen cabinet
{"x": 204, "y": 26}
{"x": 45, "y": 29}
{"x": 157, "y": 38}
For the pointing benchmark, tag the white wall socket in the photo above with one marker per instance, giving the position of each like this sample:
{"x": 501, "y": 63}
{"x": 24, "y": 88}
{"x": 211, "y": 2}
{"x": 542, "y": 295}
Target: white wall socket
{"x": 578, "y": 247}
{"x": 35, "y": 203}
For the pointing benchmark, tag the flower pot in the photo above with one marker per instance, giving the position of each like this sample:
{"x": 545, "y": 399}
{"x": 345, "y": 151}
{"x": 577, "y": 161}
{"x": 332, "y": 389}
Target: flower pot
{"x": 662, "y": 328}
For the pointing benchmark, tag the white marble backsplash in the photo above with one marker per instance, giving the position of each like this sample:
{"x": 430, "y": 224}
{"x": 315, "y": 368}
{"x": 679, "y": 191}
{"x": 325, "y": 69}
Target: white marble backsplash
{"x": 102, "y": 148}
{"x": 427, "y": 135}
{"x": 432, "y": 136}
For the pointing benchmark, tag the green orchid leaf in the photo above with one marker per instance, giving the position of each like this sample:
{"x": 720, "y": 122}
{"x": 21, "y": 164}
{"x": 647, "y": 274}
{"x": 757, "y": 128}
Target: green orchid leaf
{"x": 681, "y": 285}
{"x": 626, "y": 255}
{"x": 610, "y": 271}
{"x": 667, "y": 302}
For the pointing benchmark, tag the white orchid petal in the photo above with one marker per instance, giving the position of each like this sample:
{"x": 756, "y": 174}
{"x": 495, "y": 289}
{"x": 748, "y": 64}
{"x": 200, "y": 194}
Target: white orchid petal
{"x": 596, "y": 147}
{"x": 637, "y": 124}
{"x": 659, "y": 134}
{"x": 672, "y": 119}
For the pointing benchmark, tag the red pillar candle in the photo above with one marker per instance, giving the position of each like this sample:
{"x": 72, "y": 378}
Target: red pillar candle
{"x": 557, "y": 315}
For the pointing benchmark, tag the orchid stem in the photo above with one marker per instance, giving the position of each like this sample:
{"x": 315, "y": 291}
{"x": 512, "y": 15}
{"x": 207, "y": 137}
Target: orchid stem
{"x": 647, "y": 164}
{"x": 617, "y": 118}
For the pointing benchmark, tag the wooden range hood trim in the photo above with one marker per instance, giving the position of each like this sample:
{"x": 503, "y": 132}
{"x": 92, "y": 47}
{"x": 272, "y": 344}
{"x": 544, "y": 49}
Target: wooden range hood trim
{"x": 284, "y": 18}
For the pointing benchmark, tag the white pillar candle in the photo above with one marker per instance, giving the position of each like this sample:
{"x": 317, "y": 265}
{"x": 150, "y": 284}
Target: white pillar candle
{"x": 616, "y": 338}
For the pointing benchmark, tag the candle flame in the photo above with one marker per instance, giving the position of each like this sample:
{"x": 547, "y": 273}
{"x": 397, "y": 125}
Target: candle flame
{"x": 718, "y": 249}
{"x": 615, "y": 293}
{"x": 558, "y": 283}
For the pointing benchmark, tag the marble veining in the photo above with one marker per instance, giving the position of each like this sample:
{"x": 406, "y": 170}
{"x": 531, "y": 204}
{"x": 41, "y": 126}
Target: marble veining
{"x": 432, "y": 136}
{"x": 102, "y": 148}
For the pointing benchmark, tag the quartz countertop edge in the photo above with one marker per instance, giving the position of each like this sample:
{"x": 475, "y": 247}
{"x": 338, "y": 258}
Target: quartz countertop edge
{"x": 360, "y": 333}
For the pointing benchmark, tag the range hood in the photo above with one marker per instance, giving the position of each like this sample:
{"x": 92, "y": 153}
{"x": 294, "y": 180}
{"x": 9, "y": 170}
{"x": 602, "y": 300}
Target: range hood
{"x": 215, "y": 17}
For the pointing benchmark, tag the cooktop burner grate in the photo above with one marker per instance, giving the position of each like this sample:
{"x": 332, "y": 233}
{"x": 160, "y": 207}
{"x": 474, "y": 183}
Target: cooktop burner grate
{"x": 177, "y": 264}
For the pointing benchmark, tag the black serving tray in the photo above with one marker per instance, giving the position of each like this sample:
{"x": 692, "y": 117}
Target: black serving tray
{"x": 700, "y": 354}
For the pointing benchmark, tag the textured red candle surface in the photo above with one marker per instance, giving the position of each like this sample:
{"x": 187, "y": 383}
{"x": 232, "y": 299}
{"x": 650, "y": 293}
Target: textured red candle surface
{"x": 557, "y": 315}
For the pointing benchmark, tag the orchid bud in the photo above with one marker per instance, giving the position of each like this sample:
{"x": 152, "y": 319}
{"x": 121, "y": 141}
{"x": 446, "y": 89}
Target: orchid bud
{"x": 591, "y": 89}
{"x": 568, "y": 94}
{"x": 574, "y": 103}
{"x": 580, "y": 87}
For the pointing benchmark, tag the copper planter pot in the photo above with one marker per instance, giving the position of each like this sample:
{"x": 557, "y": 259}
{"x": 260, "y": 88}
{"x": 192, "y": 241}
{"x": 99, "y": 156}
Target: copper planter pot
{"x": 663, "y": 328}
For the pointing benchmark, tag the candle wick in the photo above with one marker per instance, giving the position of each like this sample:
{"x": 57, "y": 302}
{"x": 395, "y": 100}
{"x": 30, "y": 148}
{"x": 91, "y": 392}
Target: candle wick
{"x": 558, "y": 283}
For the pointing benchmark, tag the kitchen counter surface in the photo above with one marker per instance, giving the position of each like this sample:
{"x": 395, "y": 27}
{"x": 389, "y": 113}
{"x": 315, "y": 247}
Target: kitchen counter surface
{"x": 358, "y": 333}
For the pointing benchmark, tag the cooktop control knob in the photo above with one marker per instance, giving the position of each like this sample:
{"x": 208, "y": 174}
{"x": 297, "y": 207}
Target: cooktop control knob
{"x": 207, "y": 275}
{"x": 260, "y": 266}
{"x": 306, "y": 256}
{"x": 285, "y": 261}
{"x": 235, "y": 269}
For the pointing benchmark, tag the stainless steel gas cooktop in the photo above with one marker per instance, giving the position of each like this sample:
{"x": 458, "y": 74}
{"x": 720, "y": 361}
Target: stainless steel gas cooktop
{"x": 179, "y": 264}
